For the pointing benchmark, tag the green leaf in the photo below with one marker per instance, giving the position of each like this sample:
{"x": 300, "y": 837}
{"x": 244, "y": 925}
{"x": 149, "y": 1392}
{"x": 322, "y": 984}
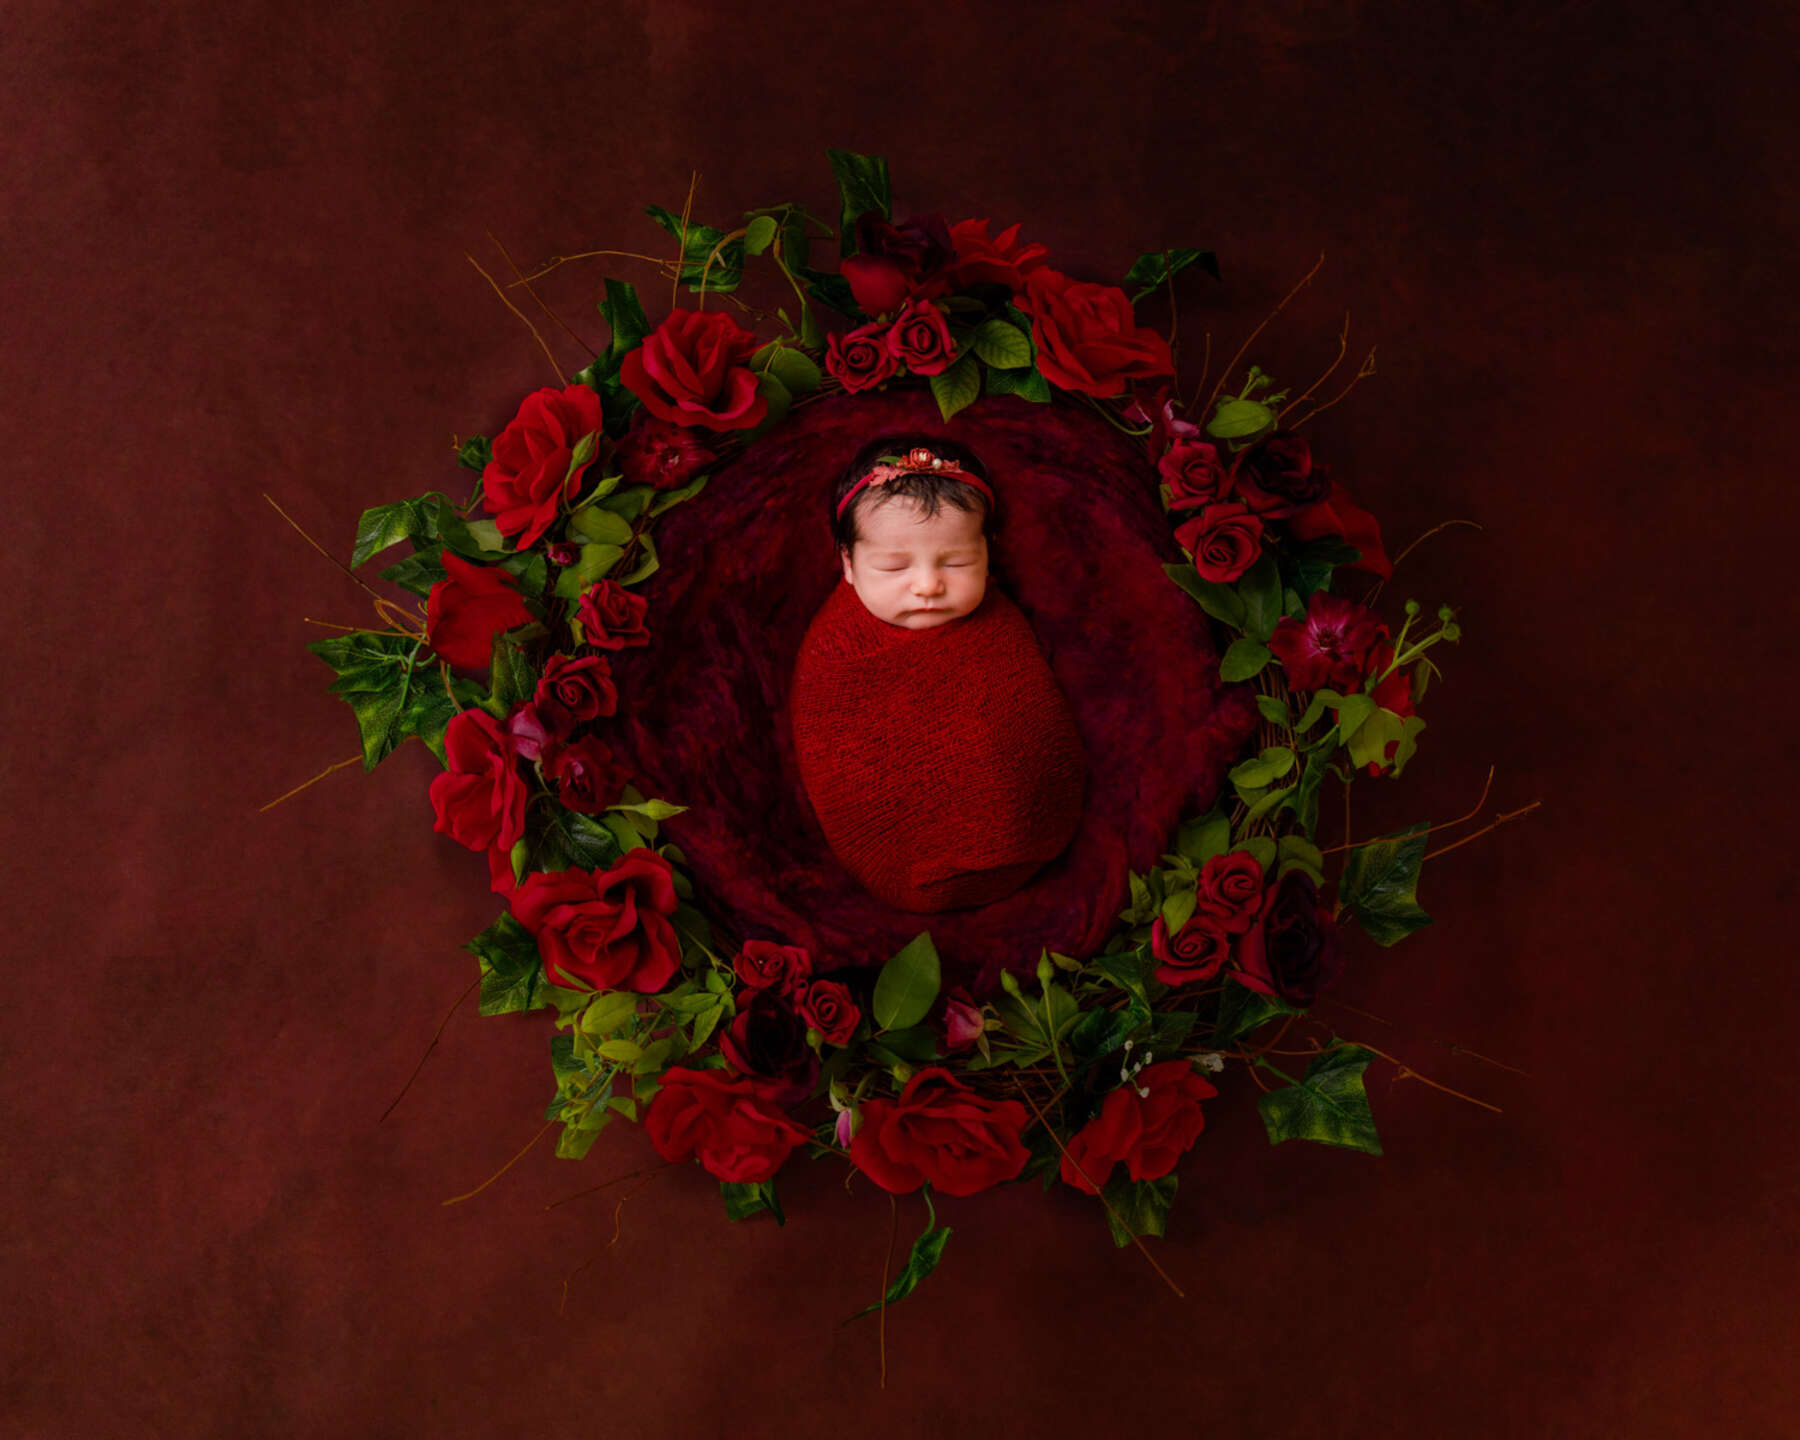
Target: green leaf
{"x": 780, "y": 399}
{"x": 833, "y": 291}
{"x": 1139, "y": 1207}
{"x": 1131, "y": 971}
{"x": 1329, "y": 1104}
{"x": 759, "y": 234}
{"x": 1221, "y": 602}
{"x": 1027, "y": 384}
{"x": 862, "y": 182}
{"x": 927, "y": 1250}
{"x": 1310, "y": 562}
{"x": 1380, "y": 885}
{"x": 560, "y": 839}
{"x": 1262, "y": 850}
{"x": 1263, "y": 804}
{"x": 512, "y": 971}
{"x": 793, "y": 368}
{"x": 1242, "y": 1011}
{"x": 706, "y": 254}
{"x": 1205, "y": 837}
{"x": 669, "y": 499}
{"x": 418, "y": 572}
{"x": 1003, "y": 346}
{"x": 625, "y": 319}
{"x": 475, "y": 453}
{"x": 376, "y": 675}
{"x": 599, "y": 526}
{"x": 1098, "y": 1033}
{"x": 628, "y": 503}
{"x": 908, "y": 984}
{"x": 609, "y": 1011}
{"x": 1260, "y": 587}
{"x": 654, "y": 809}
{"x": 1262, "y": 769}
{"x": 956, "y": 388}
{"x": 1240, "y": 420}
{"x": 1296, "y": 852}
{"x": 1352, "y": 710}
{"x": 1244, "y": 658}
{"x": 387, "y": 525}
{"x": 647, "y": 564}
{"x": 512, "y": 676}
{"x": 742, "y": 1200}
{"x": 1274, "y": 710}
{"x": 1156, "y": 268}
{"x": 917, "y": 1044}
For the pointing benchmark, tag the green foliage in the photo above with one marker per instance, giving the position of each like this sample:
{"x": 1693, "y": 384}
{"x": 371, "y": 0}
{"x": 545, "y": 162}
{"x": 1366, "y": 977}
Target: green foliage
{"x": 710, "y": 262}
{"x": 862, "y": 182}
{"x": 1002, "y": 345}
{"x": 474, "y": 453}
{"x": 392, "y": 694}
{"x": 1221, "y": 602}
{"x": 794, "y": 368}
{"x": 1260, "y": 587}
{"x": 759, "y": 234}
{"x": 512, "y": 971}
{"x": 1243, "y": 1011}
{"x": 625, "y": 320}
{"x": 1158, "y": 267}
{"x": 1240, "y": 420}
{"x": 1329, "y": 1104}
{"x": 1139, "y": 1207}
{"x": 512, "y": 676}
{"x": 1027, "y": 384}
{"x": 908, "y": 984}
{"x": 1263, "y": 769}
{"x": 1243, "y": 659}
{"x": 743, "y": 1200}
{"x": 927, "y": 1250}
{"x": 387, "y": 525}
{"x": 1308, "y": 563}
{"x": 1380, "y": 885}
{"x": 956, "y": 388}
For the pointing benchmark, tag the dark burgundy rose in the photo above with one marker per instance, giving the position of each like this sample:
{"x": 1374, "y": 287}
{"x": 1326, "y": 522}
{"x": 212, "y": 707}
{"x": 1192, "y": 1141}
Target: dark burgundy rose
{"x": 1277, "y": 476}
{"x": 960, "y": 1024}
{"x": 900, "y": 262}
{"x": 1341, "y": 516}
{"x": 920, "y": 339}
{"x": 1230, "y": 890}
{"x": 1194, "y": 475}
{"x": 573, "y": 691}
{"x": 612, "y": 617}
{"x": 1198, "y": 951}
{"x": 561, "y": 552}
{"x": 768, "y": 1040}
{"x": 997, "y": 261}
{"x": 860, "y": 359}
{"x": 827, "y": 1007}
{"x": 661, "y": 454}
{"x": 764, "y": 965}
{"x": 1225, "y": 541}
{"x": 586, "y": 776}
{"x": 530, "y": 735}
{"x": 1331, "y": 646}
{"x": 1296, "y": 951}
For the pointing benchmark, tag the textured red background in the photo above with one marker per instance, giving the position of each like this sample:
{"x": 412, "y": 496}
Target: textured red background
{"x": 234, "y": 242}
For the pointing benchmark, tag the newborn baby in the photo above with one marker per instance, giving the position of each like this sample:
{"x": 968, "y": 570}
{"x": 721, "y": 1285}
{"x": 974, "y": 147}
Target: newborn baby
{"x": 933, "y": 742}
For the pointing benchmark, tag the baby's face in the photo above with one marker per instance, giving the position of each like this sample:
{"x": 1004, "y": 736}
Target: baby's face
{"x": 914, "y": 569}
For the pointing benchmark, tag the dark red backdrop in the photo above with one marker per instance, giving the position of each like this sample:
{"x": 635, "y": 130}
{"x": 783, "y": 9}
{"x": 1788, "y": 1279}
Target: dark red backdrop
{"x": 234, "y": 264}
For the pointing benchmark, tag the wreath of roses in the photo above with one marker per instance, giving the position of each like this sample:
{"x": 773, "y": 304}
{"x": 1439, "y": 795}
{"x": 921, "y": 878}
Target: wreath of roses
{"x": 1095, "y": 1070}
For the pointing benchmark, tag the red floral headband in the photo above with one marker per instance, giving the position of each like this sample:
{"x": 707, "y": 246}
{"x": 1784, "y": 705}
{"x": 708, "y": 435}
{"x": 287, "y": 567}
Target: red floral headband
{"x": 916, "y": 461}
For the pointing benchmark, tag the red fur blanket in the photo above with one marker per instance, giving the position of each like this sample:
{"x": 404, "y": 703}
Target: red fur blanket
{"x": 943, "y": 764}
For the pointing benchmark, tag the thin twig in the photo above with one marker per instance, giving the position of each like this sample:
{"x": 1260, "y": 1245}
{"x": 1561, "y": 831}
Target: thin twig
{"x": 1441, "y": 825}
{"x": 1363, "y": 372}
{"x": 1343, "y": 345}
{"x": 540, "y": 302}
{"x": 458, "y": 1199}
{"x": 556, "y": 261}
{"x": 887, "y": 1264}
{"x": 608, "y": 1184}
{"x": 524, "y": 318}
{"x": 687, "y": 209}
{"x": 1225, "y": 374}
{"x": 303, "y": 784}
{"x": 437, "y": 1035}
{"x": 1497, "y": 822}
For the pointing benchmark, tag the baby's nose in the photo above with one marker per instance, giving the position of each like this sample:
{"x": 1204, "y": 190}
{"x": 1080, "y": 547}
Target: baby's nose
{"x": 929, "y": 582}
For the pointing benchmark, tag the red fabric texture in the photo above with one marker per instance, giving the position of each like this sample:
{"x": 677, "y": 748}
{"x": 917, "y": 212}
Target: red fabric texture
{"x": 943, "y": 764}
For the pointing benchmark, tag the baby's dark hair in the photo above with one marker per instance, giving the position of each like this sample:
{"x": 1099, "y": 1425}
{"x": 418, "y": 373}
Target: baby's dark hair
{"x": 929, "y": 488}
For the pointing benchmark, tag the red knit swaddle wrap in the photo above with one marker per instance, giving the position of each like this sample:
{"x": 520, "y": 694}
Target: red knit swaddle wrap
{"x": 943, "y": 764}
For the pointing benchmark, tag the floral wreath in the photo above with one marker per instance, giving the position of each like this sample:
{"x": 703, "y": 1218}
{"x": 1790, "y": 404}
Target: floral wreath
{"x": 1096, "y": 1071}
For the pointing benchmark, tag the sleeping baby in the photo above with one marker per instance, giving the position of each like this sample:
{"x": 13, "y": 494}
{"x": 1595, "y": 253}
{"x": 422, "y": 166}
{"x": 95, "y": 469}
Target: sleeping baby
{"x": 933, "y": 742}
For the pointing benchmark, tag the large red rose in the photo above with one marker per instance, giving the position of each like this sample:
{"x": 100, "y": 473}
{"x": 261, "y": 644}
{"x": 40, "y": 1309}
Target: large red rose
{"x": 468, "y": 608}
{"x": 612, "y": 617}
{"x": 528, "y": 478}
{"x": 691, "y": 370}
{"x": 1148, "y": 1132}
{"x": 1331, "y": 646}
{"x": 1341, "y": 516}
{"x": 573, "y": 691}
{"x": 1230, "y": 890}
{"x": 1194, "y": 474}
{"x": 940, "y": 1133}
{"x": 860, "y": 359}
{"x": 997, "y": 261}
{"x": 1225, "y": 541}
{"x": 480, "y": 799}
{"x": 1198, "y": 951}
{"x": 1277, "y": 476}
{"x": 725, "y": 1122}
{"x": 605, "y": 931}
{"x": 661, "y": 455}
{"x": 586, "y": 776}
{"x": 1296, "y": 951}
{"x": 920, "y": 339}
{"x": 1087, "y": 339}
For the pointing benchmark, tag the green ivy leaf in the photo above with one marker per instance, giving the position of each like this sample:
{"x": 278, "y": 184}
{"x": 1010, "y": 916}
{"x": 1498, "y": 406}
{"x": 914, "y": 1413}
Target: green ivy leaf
{"x": 1149, "y": 271}
{"x": 625, "y": 318}
{"x": 721, "y": 271}
{"x": 475, "y": 453}
{"x": 1139, "y": 1207}
{"x": 387, "y": 525}
{"x": 1131, "y": 971}
{"x": 1243, "y": 1011}
{"x": 956, "y": 388}
{"x": 1221, "y": 602}
{"x": 1296, "y": 852}
{"x": 927, "y": 1250}
{"x": 1262, "y": 769}
{"x": 512, "y": 971}
{"x": 908, "y": 984}
{"x": 1329, "y": 1104}
{"x": 1027, "y": 384}
{"x": 1310, "y": 562}
{"x": 418, "y": 572}
{"x": 512, "y": 676}
{"x": 1244, "y": 658}
{"x": 1380, "y": 885}
{"x": 1003, "y": 346}
{"x": 376, "y": 676}
{"x": 862, "y": 182}
{"x": 742, "y": 1200}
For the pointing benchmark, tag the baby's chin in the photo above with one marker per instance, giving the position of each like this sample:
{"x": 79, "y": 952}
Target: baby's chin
{"x": 927, "y": 619}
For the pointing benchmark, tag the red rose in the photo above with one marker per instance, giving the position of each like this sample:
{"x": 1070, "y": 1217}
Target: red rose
{"x": 612, "y": 617}
{"x": 690, "y": 370}
{"x": 1331, "y": 646}
{"x": 999, "y": 261}
{"x": 606, "y": 931}
{"x": 1224, "y": 540}
{"x": 897, "y": 263}
{"x": 480, "y": 799}
{"x": 940, "y": 1133}
{"x": 500, "y": 871}
{"x": 725, "y": 1122}
{"x": 764, "y": 965}
{"x": 585, "y": 775}
{"x": 1276, "y": 477}
{"x": 860, "y": 359}
{"x": 768, "y": 1041}
{"x": 661, "y": 455}
{"x": 920, "y": 339}
{"x": 573, "y": 691}
{"x": 1296, "y": 951}
{"x": 1341, "y": 516}
{"x": 1230, "y": 890}
{"x": 468, "y": 608}
{"x": 827, "y": 1007}
{"x": 1194, "y": 475}
{"x": 1087, "y": 338}
{"x": 528, "y": 479}
{"x": 1198, "y": 951}
{"x": 1149, "y": 1132}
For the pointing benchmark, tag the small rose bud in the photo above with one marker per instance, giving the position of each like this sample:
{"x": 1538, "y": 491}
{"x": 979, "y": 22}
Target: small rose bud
{"x": 1046, "y": 972}
{"x": 563, "y": 554}
{"x": 1009, "y": 982}
{"x": 846, "y": 1128}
